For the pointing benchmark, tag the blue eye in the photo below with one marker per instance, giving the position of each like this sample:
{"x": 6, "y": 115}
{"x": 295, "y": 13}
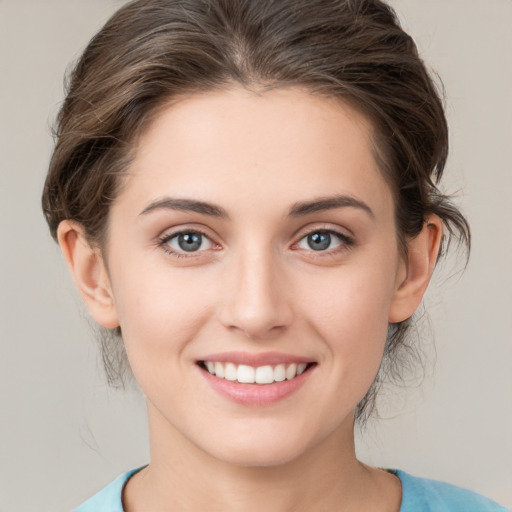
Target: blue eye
{"x": 188, "y": 241}
{"x": 323, "y": 240}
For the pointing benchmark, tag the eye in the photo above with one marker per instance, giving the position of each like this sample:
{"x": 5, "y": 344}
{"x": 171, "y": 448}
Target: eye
{"x": 323, "y": 240}
{"x": 187, "y": 241}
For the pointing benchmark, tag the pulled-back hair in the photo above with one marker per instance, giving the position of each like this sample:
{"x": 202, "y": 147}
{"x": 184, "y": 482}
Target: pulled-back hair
{"x": 150, "y": 51}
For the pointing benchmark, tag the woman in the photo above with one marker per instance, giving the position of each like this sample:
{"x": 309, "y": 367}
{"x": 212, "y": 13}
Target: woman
{"x": 246, "y": 195}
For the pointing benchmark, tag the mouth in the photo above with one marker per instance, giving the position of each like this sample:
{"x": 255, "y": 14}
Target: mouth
{"x": 263, "y": 375}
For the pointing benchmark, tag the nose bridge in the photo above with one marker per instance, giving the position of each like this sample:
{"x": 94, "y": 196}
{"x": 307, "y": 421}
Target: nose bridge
{"x": 256, "y": 299}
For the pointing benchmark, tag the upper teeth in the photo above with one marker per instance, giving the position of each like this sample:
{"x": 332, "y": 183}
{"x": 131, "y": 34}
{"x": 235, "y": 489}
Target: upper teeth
{"x": 250, "y": 375}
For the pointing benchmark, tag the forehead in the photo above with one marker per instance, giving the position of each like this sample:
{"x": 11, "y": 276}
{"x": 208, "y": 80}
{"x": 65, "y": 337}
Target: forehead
{"x": 283, "y": 145}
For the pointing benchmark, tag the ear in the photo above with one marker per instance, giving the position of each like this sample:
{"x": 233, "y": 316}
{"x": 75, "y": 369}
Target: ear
{"x": 423, "y": 251}
{"x": 89, "y": 272}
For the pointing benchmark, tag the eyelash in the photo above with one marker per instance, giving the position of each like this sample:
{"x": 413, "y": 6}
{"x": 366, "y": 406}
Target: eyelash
{"x": 346, "y": 242}
{"x": 163, "y": 242}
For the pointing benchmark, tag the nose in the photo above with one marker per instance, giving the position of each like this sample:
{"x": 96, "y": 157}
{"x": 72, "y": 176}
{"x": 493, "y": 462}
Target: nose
{"x": 257, "y": 301}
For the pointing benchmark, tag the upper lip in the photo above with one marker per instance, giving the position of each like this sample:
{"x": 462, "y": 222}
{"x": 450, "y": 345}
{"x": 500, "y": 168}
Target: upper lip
{"x": 251, "y": 359}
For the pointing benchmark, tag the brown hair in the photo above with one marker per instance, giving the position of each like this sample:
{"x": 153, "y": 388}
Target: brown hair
{"x": 152, "y": 50}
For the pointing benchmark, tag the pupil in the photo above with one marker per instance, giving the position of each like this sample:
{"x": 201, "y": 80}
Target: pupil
{"x": 319, "y": 241}
{"x": 189, "y": 242}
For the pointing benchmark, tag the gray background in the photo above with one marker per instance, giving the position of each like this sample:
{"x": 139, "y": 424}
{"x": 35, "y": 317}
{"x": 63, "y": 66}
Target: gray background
{"x": 63, "y": 435}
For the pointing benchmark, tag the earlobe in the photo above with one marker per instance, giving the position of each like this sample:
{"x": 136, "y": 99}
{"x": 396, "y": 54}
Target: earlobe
{"x": 89, "y": 272}
{"x": 423, "y": 251}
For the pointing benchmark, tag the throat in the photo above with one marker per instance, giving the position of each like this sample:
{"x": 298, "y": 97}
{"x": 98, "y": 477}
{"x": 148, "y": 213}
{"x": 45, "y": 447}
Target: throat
{"x": 306, "y": 484}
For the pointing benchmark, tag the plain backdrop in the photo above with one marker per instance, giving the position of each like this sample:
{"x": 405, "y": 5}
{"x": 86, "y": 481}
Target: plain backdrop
{"x": 64, "y": 435}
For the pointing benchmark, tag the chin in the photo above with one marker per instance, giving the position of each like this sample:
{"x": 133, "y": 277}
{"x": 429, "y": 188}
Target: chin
{"x": 259, "y": 457}
{"x": 261, "y": 447}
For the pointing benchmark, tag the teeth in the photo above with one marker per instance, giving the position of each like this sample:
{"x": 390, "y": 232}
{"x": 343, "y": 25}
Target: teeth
{"x": 249, "y": 375}
{"x": 291, "y": 371}
{"x": 245, "y": 374}
{"x": 279, "y": 373}
{"x": 264, "y": 375}
{"x": 219, "y": 370}
{"x": 230, "y": 372}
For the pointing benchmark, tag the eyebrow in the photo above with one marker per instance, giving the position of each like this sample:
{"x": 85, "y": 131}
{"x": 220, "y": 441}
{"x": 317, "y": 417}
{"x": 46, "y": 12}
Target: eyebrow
{"x": 297, "y": 210}
{"x": 190, "y": 205}
{"x": 329, "y": 203}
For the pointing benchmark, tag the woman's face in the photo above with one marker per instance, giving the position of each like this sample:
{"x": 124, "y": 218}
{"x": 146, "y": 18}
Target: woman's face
{"x": 255, "y": 239}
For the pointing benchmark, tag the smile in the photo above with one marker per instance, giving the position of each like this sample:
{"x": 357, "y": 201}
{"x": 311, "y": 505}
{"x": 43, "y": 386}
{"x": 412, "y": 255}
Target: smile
{"x": 245, "y": 374}
{"x": 255, "y": 380}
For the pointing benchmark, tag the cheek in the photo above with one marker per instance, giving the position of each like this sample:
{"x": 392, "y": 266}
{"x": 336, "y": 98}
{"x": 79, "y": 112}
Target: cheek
{"x": 349, "y": 311}
{"x": 159, "y": 313}
{"x": 350, "y": 300}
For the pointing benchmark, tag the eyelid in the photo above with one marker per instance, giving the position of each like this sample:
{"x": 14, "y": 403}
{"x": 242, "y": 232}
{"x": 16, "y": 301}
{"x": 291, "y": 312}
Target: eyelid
{"x": 162, "y": 242}
{"x": 342, "y": 232}
{"x": 347, "y": 241}
{"x": 204, "y": 240}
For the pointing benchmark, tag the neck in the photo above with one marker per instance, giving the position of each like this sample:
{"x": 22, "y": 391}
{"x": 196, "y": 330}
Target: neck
{"x": 183, "y": 477}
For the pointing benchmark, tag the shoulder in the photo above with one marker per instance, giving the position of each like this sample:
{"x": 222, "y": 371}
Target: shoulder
{"x": 424, "y": 495}
{"x": 109, "y": 499}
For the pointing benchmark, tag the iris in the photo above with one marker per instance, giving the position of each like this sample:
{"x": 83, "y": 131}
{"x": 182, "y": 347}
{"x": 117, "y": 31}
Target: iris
{"x": 319, "y": 241}
{"x": 189, "y": 241}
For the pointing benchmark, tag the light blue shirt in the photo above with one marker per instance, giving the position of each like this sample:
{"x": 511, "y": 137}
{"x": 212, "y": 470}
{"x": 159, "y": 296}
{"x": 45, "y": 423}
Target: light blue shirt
{"x": 418, "y": 495}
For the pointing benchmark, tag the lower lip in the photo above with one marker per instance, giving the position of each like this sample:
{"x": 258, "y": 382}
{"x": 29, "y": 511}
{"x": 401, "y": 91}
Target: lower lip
{"x": 256, "y": 394}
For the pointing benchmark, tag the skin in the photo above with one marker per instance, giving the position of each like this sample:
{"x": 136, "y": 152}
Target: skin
{"x": 255, "y": 286}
